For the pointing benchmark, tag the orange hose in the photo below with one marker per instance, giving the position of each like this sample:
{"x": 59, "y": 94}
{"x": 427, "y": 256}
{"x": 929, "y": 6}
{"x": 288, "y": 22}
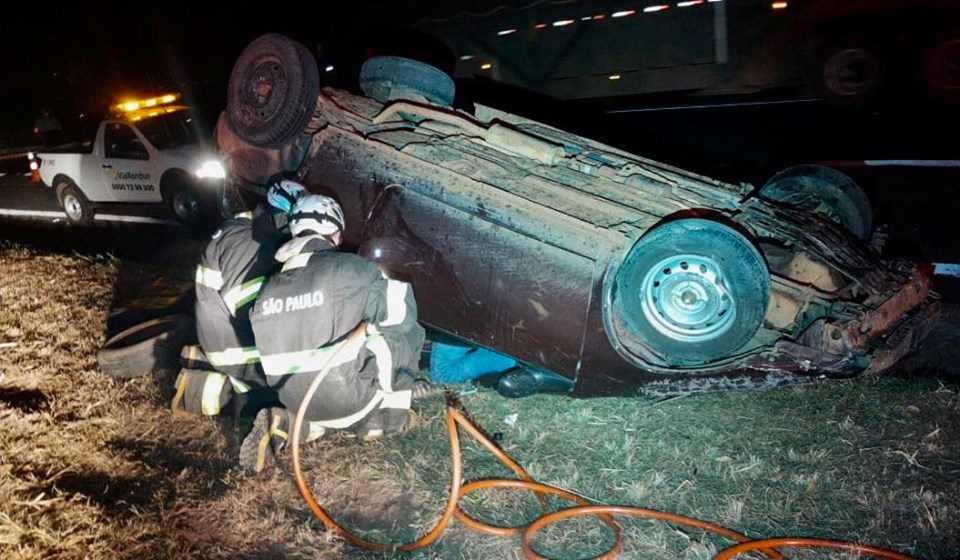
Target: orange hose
{"x": 454, "y": 419}
{"x": 531, "y": 529}
{"x": 778, "y": 542}
{"x": 319, "y": 513}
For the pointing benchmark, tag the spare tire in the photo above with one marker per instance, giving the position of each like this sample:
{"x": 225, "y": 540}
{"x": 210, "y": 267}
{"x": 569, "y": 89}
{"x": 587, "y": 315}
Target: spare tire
{"x": 150, "y": 347}
{"x": 825, "y": 191}
{"x": 386, "y": 78}
{"x": 273, "y": 91}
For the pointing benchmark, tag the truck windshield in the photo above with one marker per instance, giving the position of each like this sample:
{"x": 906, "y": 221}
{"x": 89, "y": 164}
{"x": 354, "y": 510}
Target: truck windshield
{"x": 172, "y": 130}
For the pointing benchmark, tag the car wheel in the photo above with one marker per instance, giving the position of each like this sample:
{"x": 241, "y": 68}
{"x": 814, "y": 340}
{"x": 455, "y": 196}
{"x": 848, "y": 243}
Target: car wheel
{"x": 691, "y": 292}
{"x": 825, "y": 191}
{"x": 180, "y": 197}
{"x": 184, "y": 205}
{"x": 273, "y": 91}
{"x": 386, "y": 78}
{"x": 74, "y": 204}
{"x": 150, "y": 347}
{"x": 851, "y": 73}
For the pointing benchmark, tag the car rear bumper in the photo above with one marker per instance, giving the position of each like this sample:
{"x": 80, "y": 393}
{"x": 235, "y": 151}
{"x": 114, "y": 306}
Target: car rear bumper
{"x": 905, "y": 337}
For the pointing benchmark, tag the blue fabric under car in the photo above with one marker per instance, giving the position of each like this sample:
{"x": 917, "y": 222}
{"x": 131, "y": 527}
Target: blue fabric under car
{"x": 451, "y": 363}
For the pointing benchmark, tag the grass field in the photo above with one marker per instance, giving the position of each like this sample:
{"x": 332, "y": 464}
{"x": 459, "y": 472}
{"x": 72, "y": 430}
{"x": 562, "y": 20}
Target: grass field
{"x": 96, "y": 468}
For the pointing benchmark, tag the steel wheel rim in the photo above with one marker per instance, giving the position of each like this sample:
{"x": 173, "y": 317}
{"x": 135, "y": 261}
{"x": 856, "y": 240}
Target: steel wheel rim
{"x": 73, "y": 207}
{"x": 685, "y": 298}
{"x": 263, "y": 84}
{"x": 184, "y": 205}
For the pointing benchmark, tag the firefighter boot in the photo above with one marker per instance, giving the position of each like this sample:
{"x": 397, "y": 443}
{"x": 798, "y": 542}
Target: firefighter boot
{"x": 266, "y": 440}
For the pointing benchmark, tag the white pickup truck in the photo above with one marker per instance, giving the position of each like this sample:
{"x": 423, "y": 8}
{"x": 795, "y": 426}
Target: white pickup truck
{"x": 158, "y": 156}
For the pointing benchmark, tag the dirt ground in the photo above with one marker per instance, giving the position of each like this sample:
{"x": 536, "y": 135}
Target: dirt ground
{"x": 97, "y": 468}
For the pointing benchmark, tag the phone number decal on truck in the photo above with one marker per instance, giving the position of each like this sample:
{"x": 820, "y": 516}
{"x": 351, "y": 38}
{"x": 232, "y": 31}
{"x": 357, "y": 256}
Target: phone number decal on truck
{"x": 131, "y": 176}
{"x": 131, "y": 187}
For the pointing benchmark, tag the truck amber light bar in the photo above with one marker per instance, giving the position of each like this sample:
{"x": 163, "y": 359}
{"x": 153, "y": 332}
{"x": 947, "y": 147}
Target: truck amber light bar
{"x": 130, "y": 106}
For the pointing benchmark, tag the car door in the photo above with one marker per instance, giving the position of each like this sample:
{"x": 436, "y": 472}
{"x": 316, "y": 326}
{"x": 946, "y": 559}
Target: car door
{"x": 126, "y": 167}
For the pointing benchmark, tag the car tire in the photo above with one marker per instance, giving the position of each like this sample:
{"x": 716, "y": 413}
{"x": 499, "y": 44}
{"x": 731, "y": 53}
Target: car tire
{"x": 386, "y": 78}
{"x": 273, "y": 91}
{"x": 825, "y": 191}
{"x": 690, "y": 292}
{"x": 74, "y": 203}
{"x": 851, "y": 73}
{"x": 181, "y": 201}
{"x": 151, "y": 347}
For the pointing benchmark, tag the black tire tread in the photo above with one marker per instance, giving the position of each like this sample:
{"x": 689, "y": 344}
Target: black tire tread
{"x": 382, "y": 76}
{"x": 838, "y": 196}
{"x": 744, "y": 267}
{"x": 72, "y": 187}
{"x": 154, "y": 354}
{"x": 294, "y": 111}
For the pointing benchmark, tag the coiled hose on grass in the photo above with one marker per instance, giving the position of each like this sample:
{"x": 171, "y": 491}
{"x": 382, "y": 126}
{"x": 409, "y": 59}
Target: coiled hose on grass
{"x": 455, "y": 419}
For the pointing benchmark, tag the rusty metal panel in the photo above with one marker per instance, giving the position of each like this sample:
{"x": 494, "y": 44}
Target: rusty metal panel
{"x": 345, "y": 162}
{"x": 495, "y": 273}
{"x": 483, "y": 282}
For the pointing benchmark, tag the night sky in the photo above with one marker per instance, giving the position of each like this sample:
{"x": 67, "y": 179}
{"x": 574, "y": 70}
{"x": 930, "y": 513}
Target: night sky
{"x": 82, "y": 57}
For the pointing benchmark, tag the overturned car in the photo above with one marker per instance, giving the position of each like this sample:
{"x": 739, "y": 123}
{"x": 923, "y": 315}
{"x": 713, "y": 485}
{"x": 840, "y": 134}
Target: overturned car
{"x": 611, "y": 271}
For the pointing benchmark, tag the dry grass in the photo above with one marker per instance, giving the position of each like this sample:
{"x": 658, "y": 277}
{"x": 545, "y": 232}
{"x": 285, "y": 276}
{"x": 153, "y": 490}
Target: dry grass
{"x": 96, "y": 468}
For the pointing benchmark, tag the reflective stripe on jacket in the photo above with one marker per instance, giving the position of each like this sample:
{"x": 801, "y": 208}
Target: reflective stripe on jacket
{"x": 303, "y": 315}
{"x": 231, "y": 271}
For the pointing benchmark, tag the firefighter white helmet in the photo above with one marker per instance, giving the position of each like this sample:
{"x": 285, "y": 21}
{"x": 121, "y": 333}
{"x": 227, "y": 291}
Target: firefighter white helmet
{"x": 316, "y": 213}
{"x": 284, "y": 193}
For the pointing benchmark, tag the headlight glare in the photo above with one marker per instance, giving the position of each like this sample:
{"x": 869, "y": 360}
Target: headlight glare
{"x": 211, "y": 169}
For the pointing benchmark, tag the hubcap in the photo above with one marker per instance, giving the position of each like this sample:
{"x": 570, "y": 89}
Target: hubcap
{"x": 685, "y": 298}
{"x": 73, "y": 207}
{"x": 185, "y": 205}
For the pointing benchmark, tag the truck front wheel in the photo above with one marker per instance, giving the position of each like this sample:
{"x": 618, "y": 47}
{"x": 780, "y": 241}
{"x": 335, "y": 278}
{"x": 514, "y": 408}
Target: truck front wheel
{"x": 74, "y": 204}
{"x": 182, "y": 201}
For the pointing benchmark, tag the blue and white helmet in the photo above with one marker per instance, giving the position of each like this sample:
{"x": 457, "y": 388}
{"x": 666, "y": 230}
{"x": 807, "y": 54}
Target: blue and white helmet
{"x": 284, "y": 193}
{"x": 316, "y": 213}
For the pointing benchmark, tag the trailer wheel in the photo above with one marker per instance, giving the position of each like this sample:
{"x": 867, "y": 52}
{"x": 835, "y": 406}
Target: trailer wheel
{"x": 825, "y": 191}
{"x": 690, "y": 292}
{"x": 940, "y": 69}
{"x": 74, "y": 203}
{"x": 852, "y": 73}
{"x": 273, "y": 91}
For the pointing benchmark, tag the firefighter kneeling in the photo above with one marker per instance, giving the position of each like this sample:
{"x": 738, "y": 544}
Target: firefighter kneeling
{"x": 223, "y": 374}
{"x": 303, "y": 315}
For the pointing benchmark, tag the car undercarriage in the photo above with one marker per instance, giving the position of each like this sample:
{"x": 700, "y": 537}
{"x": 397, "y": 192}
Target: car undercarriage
{"x": 615, "y": 272}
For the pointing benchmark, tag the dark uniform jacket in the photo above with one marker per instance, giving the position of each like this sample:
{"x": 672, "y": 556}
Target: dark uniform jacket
{"x": 232, "y": 269}
{"x": 304, "y": 313}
